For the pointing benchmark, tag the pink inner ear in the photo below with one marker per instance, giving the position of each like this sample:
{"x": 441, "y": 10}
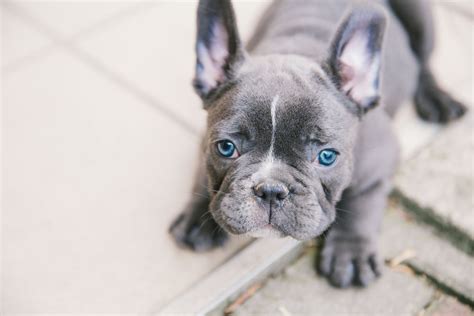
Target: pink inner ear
{"x": 346, "y": 73}
{"x": 213, "y": 58}
{"x": 219, "y": 44}
{"x": 359, "y": 69}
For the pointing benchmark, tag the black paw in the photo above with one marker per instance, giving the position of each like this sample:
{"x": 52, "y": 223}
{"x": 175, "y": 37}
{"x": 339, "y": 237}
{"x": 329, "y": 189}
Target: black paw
{"x": 349, "y": 261}
{"x": 435, "y": 105}
{"x": 198, "y": 233}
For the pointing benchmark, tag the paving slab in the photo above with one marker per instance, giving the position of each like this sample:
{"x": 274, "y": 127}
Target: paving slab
{"x": 440, "y": 178}
{"x": 463, "y": 7}
{"x": 18, "y": 39}
{"x": 403, "y": 240}
{"x": 400, "y": 291}
{"x": 452, "y": 67}
{"x": 90, "y": 184}
{"x": 254, "y": 263}
{"x": 406, "y": 124}
{"x": 69, "y": 18}
{"x": 429, "y": 253}
{"x": 154, "y": 50}
{"x": 299, "y": 291}
{"x": 446, "y": 306}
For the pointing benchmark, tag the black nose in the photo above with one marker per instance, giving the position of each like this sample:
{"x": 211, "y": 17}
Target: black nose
{"x": 271, "y": 192}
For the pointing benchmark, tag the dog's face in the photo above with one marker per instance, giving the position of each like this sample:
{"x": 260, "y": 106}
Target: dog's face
{"x": 281, "y": 130}
{"x": 277, "y": 158}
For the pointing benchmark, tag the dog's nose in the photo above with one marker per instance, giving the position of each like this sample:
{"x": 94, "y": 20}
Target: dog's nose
{"x": 271, "y": 192}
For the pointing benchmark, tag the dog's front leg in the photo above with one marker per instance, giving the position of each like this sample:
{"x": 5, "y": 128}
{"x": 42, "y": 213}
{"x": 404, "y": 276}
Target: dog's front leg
{"x": 195, "y": 227}
{"x": 349, "y": 255}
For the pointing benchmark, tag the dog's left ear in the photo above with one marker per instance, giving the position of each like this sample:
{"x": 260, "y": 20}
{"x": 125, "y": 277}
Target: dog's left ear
{"x": 218, "y": 47}
{"x": 355, "y": 55}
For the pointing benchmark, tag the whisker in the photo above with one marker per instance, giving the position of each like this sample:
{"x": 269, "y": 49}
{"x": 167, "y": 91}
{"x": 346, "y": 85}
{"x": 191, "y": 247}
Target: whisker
{"x": 344, "y": 210}
{"x": 201, "y": 195}
{"x": 206, "y": 213}
{"x": 343, "y": 220}
{"x": 216, "y": 229}
{"x": 204, "y": 222}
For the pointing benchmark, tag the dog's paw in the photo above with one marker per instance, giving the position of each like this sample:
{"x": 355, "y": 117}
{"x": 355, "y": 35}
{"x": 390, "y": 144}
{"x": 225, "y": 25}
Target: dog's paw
{"x": 349, "y": 261}
{"x": 434, "y": 104}
{"x": 198, "y": 233}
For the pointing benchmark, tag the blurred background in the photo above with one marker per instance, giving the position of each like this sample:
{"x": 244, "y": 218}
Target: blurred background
{"x": 100, "y": 135}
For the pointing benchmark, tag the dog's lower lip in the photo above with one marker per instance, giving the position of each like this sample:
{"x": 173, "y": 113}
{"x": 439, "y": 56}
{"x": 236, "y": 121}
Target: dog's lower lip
{"x": 270, "y": 226}
{"x": 273, "y": 227}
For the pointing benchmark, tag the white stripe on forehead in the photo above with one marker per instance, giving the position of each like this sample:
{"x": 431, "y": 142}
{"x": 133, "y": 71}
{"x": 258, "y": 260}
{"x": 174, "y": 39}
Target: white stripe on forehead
{"x": 269, "y": 161}
{"x": 273, "y": 114}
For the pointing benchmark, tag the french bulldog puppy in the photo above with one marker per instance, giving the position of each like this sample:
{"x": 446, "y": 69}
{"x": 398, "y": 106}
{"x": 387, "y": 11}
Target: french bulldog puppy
{"x": 299, "y": 136}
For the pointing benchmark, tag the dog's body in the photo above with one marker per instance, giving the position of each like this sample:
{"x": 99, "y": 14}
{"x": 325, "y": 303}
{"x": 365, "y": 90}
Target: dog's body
{"x": 294, "y": 134}
{"x": 306, "y": 28}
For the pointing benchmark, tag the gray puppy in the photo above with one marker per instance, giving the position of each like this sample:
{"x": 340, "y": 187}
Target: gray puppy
{"x": 299, "y": 124}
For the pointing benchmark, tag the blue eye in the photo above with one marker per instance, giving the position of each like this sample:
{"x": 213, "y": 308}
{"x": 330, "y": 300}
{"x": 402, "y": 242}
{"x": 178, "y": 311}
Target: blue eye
{"x": 327, "y": 157}
{"x": 227, "y": 149}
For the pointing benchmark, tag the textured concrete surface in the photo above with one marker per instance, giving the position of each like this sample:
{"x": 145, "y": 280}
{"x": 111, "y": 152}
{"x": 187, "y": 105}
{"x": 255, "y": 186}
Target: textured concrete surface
{"x": 398, "y": 292}
{"x": 299, "y": 291}
{"x": 430, "y": 254}
{"x": 254, "y": 263}
{"x": 452, "y": 60}
{"x": 89, "y": 195}
{"x": 441, "y": 176}
{"x": 18, "y": 39}
{"x": 446, "y": 306}
{"x": 165, "y": 60}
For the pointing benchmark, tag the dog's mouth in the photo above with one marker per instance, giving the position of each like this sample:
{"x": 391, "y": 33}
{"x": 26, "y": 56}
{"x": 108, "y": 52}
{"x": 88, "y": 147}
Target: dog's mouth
{"x": 239, "y": 212}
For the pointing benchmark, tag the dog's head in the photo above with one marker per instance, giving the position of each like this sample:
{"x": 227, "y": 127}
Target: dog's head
{"x": 282, "y": 128}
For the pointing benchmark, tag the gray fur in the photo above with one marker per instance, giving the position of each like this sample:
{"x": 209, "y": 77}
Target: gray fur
{"x": 294, "y": 58}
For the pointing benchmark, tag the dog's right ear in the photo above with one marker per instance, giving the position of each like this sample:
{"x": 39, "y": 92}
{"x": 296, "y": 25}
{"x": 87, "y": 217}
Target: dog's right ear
{"x": 355, "y": 55}
{"x": 218, "y": 46}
